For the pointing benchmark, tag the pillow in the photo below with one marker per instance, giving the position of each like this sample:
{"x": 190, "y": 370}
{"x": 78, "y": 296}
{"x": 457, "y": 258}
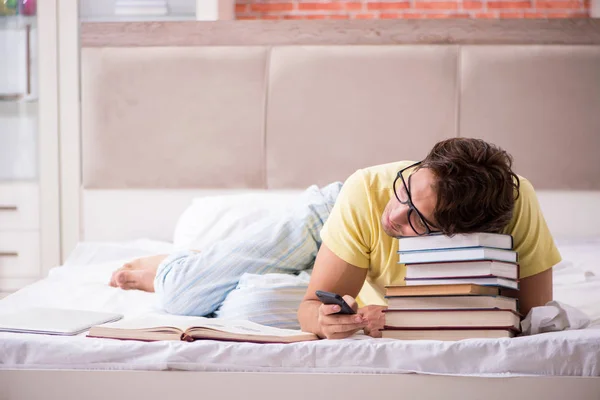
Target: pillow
{"x": 577, "y": 277}
{"x": 213, "y": 218}
{"x": 270, "y": 299}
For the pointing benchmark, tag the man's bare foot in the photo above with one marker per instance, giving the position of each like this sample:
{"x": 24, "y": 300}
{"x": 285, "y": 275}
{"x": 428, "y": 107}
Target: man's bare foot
{"x": 137, "y": 274}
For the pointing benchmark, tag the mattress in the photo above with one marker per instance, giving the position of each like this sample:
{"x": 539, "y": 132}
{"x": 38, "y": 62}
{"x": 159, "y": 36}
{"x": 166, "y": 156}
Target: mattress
{"x": 82, "y": 283}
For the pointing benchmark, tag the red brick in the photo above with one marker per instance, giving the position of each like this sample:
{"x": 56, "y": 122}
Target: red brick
{"x": 568, "y": 15}
{"x": 510, "y": 15}
{"x": 569, "y": 4}
{"x": 389, "y": 16}
{"x": 534, "y": 15}
{"x": 339, "y": 16}
{"x": 266, "y": 7}
{"x": 365, "y": 16}
{"x": 354, "y": 6}
{"x": 436, "y": 5}
{"x": 295, "y": 16}
{"x": 413, "y": 16}
{"x": 316, "y": 16}
{"x": 246, "y": 17}
{"x": 472, "y": 5}
{"x": 508, "y": 4}
{"x": 388, "y": 6}
{"x": 334, "y": 5}
{"x": 556, "y": 15}
{"x": 240, "y": 8}
{"x": 444, "y": 16}
{"x": 486, "y": 15}
{"x": 270, "y": 16}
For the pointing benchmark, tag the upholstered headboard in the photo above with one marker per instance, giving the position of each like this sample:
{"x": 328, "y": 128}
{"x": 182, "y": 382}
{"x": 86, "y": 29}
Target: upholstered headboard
{"x": 200, "y": 111}
{"x": 289, "y": 116}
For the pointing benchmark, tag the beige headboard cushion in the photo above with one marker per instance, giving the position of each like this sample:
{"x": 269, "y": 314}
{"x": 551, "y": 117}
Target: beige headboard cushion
{"x": 332, "y": 110}
{"x": 173, "y": 117}
{"x": 542, "y": 104}
{"x": 290, "y": 116}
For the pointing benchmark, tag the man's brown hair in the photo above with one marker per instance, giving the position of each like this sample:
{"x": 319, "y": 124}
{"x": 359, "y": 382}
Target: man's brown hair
{"x": 476, "y": 187}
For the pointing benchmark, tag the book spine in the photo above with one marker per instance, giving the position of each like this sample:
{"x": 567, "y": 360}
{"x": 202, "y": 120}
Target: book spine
{"x": 186, "y": 338}
{"x": 452, "y": 277}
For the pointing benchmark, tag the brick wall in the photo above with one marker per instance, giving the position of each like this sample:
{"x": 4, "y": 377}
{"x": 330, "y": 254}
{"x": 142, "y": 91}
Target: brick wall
{"x": 390, "y": 9}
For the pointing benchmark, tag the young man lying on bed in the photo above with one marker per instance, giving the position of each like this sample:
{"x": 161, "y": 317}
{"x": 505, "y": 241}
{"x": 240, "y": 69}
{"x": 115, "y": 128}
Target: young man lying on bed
{"x": 349, "y": 234}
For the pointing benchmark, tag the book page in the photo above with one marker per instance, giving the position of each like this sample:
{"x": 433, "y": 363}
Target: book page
{"x": 150, "y": 321}
{"x": 183, "y": 323}
{"x": 244, "y": 328}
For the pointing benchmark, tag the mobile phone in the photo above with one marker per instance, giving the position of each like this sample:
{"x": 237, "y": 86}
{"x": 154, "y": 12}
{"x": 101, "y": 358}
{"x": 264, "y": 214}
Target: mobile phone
{"x": 333, "y": 298}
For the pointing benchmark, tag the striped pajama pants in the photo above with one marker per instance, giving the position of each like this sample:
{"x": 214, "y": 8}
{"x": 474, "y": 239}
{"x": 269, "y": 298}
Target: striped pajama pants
{"x": 190, "y": 283}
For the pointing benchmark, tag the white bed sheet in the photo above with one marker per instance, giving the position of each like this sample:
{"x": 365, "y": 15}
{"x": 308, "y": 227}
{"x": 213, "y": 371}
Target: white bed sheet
{"x": 81, "y": 283}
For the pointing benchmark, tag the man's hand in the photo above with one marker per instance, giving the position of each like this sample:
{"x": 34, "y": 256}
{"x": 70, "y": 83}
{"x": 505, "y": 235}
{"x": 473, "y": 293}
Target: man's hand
{"x": 375, "y": 319}
{"x": 339, "y": 326}
{"x": 331, "y": 274}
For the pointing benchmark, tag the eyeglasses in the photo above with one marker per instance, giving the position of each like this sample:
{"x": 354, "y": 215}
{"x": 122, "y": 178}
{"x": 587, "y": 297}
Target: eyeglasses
{"x": 416, "y": 220}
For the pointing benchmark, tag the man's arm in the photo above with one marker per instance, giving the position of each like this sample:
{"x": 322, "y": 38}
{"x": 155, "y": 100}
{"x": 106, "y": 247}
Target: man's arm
{"x": 535, "y": 291}
{"x": 331, "y": 274}
{"x": 537, "y": 250}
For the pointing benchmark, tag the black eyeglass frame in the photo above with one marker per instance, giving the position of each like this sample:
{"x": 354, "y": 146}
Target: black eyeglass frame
{"x": 411, "y": 206}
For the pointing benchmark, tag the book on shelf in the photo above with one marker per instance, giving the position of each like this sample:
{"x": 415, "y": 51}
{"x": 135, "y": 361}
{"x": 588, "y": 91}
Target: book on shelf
{"x": 459, "y": 254}
{"x": 463, "y": 268}
{"x": 448, "y": 334}
{"x": 439, "y": 241}
{"x": 174, "y": 327}
{"x": 477, "y": 280}
{"x": 466, "y": 289}
{"x": 451, "y": 302}
{"x": 480, "y": 318}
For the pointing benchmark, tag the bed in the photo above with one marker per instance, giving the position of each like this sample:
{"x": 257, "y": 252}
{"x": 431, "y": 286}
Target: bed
{"x": 257, "y": 115}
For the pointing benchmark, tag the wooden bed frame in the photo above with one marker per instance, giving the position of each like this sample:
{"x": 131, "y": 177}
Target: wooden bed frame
{"x": 99, "y": 385}
{"x": 86, "y": 180}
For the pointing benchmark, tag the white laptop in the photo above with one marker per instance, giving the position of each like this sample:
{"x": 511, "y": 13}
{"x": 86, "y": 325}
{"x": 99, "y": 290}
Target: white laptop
{"x": 54, "y": 321}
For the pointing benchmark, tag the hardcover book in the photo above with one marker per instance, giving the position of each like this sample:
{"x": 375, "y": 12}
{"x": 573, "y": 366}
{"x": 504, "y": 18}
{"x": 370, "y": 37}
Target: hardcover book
{"x": 175, "y": 327}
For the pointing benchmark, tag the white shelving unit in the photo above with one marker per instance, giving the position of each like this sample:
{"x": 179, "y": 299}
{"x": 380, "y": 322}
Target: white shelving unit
{"x": 29, "y": 212}
{"x": 176, "y": 10}
{"x": 39, "y": 127}
{"x": 108, "y": 10}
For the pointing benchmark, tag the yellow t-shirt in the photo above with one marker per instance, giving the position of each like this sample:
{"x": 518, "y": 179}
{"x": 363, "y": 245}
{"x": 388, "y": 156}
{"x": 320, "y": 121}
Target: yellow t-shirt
{"x": 353, "y": 231}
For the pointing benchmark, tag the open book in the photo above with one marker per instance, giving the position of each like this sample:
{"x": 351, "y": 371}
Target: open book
{"x": 174, "y": 327}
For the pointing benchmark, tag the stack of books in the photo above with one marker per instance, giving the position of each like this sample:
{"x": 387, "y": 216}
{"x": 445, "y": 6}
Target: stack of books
{"x": 456, "y": 288}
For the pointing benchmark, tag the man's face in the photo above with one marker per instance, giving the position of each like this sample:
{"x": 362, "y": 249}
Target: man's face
{"x": 394, "y": 220}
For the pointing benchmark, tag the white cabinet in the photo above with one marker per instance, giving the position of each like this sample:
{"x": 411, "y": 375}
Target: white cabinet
{"x": 19, "y": 206}
{"x": 19, "y": 255}
{"x": 29, "y": 233}
{"x": 18, "y": 140}
{"x": 18, "y": 68}
{"x": 19, "y": 235}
